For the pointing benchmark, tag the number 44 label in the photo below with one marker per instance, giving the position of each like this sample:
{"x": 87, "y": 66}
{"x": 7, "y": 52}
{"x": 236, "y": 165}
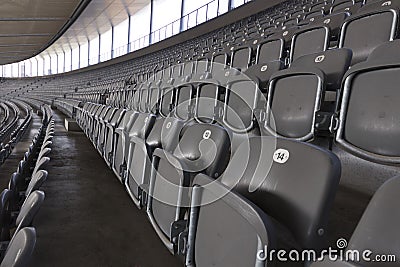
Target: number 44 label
{"x": 281, "y": 156}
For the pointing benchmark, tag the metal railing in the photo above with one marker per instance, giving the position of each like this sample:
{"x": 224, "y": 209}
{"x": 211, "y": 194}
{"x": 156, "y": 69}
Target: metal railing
{"x": 192, "y": 19}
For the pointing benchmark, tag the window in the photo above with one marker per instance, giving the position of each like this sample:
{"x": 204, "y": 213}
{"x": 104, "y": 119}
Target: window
{"x": 75, "y": 58}
{"x": 15, "y": 70}
{"x": 165, "y": 12}
{"x": 40, "y": 66}
{"x": 94, "y": 51}
{"x": 105, "y": 46}
{"x": 54, "y": 64}
{"x": 84, "y": 55}
{"x": 223, "y": 7}
{"x": 140, "y": 28}
{"x": 28, "y": 68}
{"x": 61, "y": 62}
{"x": 197, "y": 12}
{"x": 237, "y": 3}
{"x": 7, "y": 70}
{"x": 47, "y": 68}
{"x": 68, "y": 60}
{"x": 121, "y": 38}
{"x": 34, "y": 66}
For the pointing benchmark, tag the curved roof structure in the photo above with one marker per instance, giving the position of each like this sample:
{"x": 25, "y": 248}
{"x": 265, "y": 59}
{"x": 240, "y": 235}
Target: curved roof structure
{"x": 30, "y": 26}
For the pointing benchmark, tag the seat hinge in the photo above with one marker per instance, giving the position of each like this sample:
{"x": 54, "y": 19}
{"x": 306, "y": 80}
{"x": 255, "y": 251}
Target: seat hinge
{"x": 334, "y": 124}
{"x": 177, "y": 228}
{"x": 182, "y": 243}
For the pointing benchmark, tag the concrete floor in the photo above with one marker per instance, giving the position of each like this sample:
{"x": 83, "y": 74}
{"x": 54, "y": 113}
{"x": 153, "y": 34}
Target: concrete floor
{"x": 88, "y": 219}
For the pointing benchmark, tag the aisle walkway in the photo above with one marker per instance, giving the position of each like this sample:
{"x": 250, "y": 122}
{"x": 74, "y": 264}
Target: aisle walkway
{"x": 87, "y": 218}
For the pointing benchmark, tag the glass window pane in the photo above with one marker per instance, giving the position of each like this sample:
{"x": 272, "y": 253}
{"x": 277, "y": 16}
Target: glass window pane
{"x": 68, "y": 60}
{"x": 121, "y": 38}
{"x": 40, "y": 66}
{"x": 190, "y": 5}
{"x": 34, "y": 67}
{"x": 54, "y": 64}
{"x": 27, "y": 64}
{"x": 140, "y": 28}
{"x": 164, "y": 12}
{"x": 237, "y": 3}
{"x": 75, "y": 58}
{"x": 61, "y": 63}
{"x": 223, "y": 7}
{"x": 8, "y": 70}
{"x": 15, "y": 70}
{"x": 94, "y": 51}
{"x": 47, "y": 68}
{"x": 105, "y": 47}
{"x": 84, "y": 55}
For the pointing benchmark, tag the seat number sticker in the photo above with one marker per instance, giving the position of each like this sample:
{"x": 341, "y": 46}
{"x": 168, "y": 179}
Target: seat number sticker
{"x": 319, "y": 59}
{"x": 207, "y": 134}
{"x": 281, "y": 156}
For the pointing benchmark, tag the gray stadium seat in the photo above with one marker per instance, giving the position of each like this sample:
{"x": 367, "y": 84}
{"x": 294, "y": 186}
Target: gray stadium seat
{"x": 377, "y": 230}
{"x": 296, "y": 95}
{"x": 282, "y": 179}
{"x": 29, "y": 209}
{"x": 356, "y": 29}
{"x": 202, "y": 149}
{"x": 111, "y": 126}
{"x": 369, "y": 107}
{"x": 20, "y": 249}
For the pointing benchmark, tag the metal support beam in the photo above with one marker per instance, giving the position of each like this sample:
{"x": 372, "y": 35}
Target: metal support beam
{"x": 64, "y": 61}
{"x": 230, "y": 2}
{"x": 181, "y": 19}
{"x": 98, "y": 60}
{"x": 44, "y": 61}
{"x": 151, "y": 21}
{"x": 129, "y": 34}
{"x": 79, "y": 55}
{"x": 88, "y": 52}
{"x": 112, "y": 41}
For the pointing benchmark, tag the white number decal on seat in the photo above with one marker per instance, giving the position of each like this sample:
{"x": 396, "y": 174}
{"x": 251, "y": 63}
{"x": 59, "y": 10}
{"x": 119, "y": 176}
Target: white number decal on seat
{"x": 207, "y": 134}
{"x": 387, "y": 3}
{"x": 281, "y": 156}
{"x": 319, "y": 59}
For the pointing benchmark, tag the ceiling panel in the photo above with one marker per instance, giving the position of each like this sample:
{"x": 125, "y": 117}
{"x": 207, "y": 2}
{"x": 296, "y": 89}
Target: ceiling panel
{"x": 38, "y": 8}
{"x": 31, "y": 25}
{"x": 34, "y": 23}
